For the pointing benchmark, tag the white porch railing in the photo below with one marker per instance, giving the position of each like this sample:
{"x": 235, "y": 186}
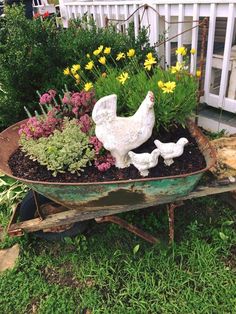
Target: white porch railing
{"x": 220, "y": 63}
{"x": 42, "y": 6}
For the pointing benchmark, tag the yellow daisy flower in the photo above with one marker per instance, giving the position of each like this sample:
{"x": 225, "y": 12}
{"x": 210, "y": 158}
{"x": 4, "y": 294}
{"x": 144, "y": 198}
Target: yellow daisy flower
{"x": 148, "y": 63}
{"x": 120, "y": 55}
{"x": 177, "y": 68}
{"x": 89, "y": 65}
{"x": 88, "y": 86}
{"x": 77, "y": 77}
{"x": 107, "y": 50}
{"x": 168, "y": 87}
{"x": 98, "y": 51}
{"x": 123, "y": 77}
{"x": 102, "y": 60}
{"x": 198, "y": 73}
{"x": 131, "y": 53}
{"x": 193, "y": 51}
{"x": 75, "y": 68}
{"x": 181, "y": 51}
{"x": 66, "y": 71}
{"x": 149, "y": 56}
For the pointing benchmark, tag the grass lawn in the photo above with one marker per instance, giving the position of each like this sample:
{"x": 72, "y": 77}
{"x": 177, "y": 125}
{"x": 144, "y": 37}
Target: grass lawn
{"x": 111, "y": 271}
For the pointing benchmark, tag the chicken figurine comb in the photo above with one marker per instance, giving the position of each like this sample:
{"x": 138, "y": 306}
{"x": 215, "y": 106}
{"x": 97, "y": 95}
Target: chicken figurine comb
{"x": 119, "y": 135}
{"x": 144, "y": 161}
{"x": 171, "y": 150}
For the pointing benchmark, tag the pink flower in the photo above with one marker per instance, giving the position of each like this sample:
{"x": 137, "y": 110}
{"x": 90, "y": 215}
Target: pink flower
{"x": 96, "y": 143}
{"x": 52, "y": 93}
{"x": 45, "y": 99}
{"x": 85, "y": 123}
{"x": 104, "y": 166}
{"x": 103, "y": 163}
{"x": 66, "y": 99}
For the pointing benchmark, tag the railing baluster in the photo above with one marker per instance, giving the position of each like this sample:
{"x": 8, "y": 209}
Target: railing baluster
{"x": 194, "y": 38}
{"x": 167, "y": 44}
{"x": 101, "y": 16}
{"x": 226, "y": 57}
{"x": 180, "y": 30}
{"x": 126, "y": 17}
{"x": 117, "y": 9}
{"x": 210, "y": 46}
{"x": 136, "y": 20}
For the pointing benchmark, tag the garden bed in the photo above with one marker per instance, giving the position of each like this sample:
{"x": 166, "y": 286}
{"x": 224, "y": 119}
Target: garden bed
{"x": 192, "y": 160}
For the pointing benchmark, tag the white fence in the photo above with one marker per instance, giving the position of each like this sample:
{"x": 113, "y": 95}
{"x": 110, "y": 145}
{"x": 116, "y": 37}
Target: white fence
{"x": 220, "y": 69}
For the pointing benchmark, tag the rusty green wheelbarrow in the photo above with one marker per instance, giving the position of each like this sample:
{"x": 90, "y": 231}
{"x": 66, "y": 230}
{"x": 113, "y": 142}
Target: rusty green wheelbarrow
{"x": 101, "y": 200}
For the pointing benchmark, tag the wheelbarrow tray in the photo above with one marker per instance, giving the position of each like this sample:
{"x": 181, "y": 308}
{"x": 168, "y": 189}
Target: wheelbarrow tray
{"x": 95, "y": 196}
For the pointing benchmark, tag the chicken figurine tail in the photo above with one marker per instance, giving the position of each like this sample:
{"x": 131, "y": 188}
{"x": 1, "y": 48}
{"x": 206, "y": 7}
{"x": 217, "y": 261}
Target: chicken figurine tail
{"x": 168, "y": 151}
{"x": 144, "y": 161}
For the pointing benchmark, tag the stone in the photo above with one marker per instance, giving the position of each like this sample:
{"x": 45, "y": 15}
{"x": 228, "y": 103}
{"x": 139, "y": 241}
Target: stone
{"x": 119, "y": 135}
{"x": 8, "y": 257}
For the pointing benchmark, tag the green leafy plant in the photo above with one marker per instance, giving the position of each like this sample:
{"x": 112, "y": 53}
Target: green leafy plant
{"x": 175, "y": 90}
{"x": 30, "y": 59}
{"x": 66, "y": 150}
{"x": 11, "y": 192}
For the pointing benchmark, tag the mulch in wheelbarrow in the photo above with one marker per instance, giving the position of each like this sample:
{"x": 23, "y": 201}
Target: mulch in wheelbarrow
{"x": 192, "y": 160}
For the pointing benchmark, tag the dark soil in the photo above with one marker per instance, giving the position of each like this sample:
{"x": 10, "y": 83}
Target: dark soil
{"x": 192, "y": 160}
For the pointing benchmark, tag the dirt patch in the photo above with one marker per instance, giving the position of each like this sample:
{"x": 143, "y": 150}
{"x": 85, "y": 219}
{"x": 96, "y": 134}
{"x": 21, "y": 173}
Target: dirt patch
{"x": 192, "y": 160}
{"x": 66, "y": 279}
{"x": 231, "y": 259}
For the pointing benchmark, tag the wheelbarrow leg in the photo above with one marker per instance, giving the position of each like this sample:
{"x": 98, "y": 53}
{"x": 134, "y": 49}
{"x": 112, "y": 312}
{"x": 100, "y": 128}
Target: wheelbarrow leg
{"x": 171, "y": 217}
{"x": 36, "y": 200}
{"x": 131, "y": 228}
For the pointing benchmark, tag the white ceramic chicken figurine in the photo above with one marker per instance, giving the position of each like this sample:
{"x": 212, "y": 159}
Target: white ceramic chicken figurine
{"x": 119, "y": 135}
{"x": 171, "y": 150}
{"x": 144, "y": 161}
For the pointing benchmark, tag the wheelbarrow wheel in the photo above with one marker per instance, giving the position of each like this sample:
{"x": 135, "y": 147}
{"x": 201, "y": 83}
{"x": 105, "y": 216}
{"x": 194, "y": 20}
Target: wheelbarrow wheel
{"x": 28, "y": 209}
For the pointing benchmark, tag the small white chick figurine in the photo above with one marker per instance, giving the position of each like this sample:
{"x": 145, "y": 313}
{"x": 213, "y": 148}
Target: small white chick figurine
{"x": 171, "y": 150}
{"x": 144, "y": 161}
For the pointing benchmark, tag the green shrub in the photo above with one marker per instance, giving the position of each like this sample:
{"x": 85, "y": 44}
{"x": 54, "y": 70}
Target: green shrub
{"x": 34, "y": 53}
{"x": 30, "y": 60}
{"x": 66, "y": 150}
{"x": 83, "y": 37}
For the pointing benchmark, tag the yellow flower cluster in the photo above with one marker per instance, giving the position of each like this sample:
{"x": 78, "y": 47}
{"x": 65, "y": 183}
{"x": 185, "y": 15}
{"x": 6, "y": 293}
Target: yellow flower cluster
{"x": 167, "y": 87}
{"x": 73, "y": 71}
{"x": 149, "y": 62}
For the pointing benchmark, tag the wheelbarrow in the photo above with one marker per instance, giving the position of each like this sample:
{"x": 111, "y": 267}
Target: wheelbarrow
{"x": 79, "y": 202}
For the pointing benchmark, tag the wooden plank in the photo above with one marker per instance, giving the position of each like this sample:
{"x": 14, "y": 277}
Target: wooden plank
{"x": 72, "y": 216}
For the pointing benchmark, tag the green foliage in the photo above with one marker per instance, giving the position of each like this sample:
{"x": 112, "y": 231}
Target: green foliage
{"x": 30, "y": 60}
{"x": 83, "y": 37}
{"x": 66, "y": 150}
{"x": 170, "y": 108}
{"x": 11, "y": 192}
{"x": 34, "y": 53}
